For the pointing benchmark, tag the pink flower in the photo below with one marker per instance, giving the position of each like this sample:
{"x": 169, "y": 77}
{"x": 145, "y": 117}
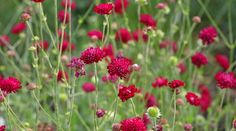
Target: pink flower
{"x": 160, "y": 82}
{"x": 121, "y": 6}
{"x": 199, "y": 59}
{"x": 126, "y": 93}
{"x": 123, "y": 35}
{"x": 150, "y": 100}
{"x": 4, "y": 39}
{"x": 18, "y": 28}
{"x": 148, "y": 20}
{"x": 103, "y": 9}
{"x": 205, "y": 98}
{"x": 176, "y": 84}
{"x": 138, "y": 34}
{"x": 88, "y": 87}
{"x": 92, "y": 55}
{"x": 77, "y": 64}
{"x": 223, "y": 61}
{"x": 62, "y": 76}
{"x": 208, "y": 35}
{"x": 10, "y": 85}
{"x": 225, "y": 80}
{"x": 192, "y": 99}
{"x": 71, "y": 4}
{"x": 133, "y": 124}
{"x": 63, "y": 16}
{"x": 95, "y": 35}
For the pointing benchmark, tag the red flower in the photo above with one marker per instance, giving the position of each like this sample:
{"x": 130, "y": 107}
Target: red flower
{"x": 225, "y": 80}
{"x": 205, "y": 99}
{"x": 223, "y": 61}
{"x": 92, "y": 55}
{"x": 88, "y": 87}
{"x": 103, "y": 9}
{"x": 123, "y": 35}
{"x": 139, "y": 33}
{"x": 208, "y": 35}
{"x": 182, "y": 67}
{"x": 100, "y": 113}
{"x": 148, "y": 20}
{"x": 120, "y": 66}
{"x": 38, "y": 1}
{"x": 126, "y": 92}
{"x": 62, "y": 76}
{"x": 234, "y": 124}
{"x": 146, "y": 119}
{"x": 150, "y": 100}
{"x": 192, "y": 99}
{"x": 65, "y": 46}
{"x": 62, "y": 15}
{"x": 120, "y": 6}
{"x": 160, "y": 82}
{"x": 176, "y": 84}
{"x": 2, "y": 128}
{"x": 71, "y": 4}
{"x": 10, "y": 85}
{"x": 64, "y": 34}
{"x": 133, "y": 124}
{"x": 42, "y": 44}
{"x": 18, "y": 28}
{"x": 77, "y": 64}
{"x": 199, "y": 59}
{"x": 108, "y": 50}
{"x": 95, "y": 34}
{"x": 4, "y": 39}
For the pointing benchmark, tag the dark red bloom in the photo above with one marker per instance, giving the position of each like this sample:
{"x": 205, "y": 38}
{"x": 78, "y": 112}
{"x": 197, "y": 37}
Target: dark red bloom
{"x": 146, "y": 119}
{"x": 176, "y": 84}
{"x": 103, "y": 9}
{"x": 123, "y": 35}
{"x": 133, "y": 124}
{"x": 121, "y": 6}
{"x": 42, "y": 44}
{"x": 205, "y": 99}
{"x": 159, "y": 127}
{"x": 148, "y": 20}
{"x": 199, "y": 59}
{"x": 223, "y": 61}
{"x": 4, "y": 39}
{"x": 38, "y": 1}
{"x": 92, "y": 55}
{"x": 225, "y": 80}
{"x": 71, "y": 4}
{"x": 2, "y": 128}
{"x": 63, "y": 15}
{"x": 182, "y": 67}
{"x": 95, "y": 35}
{"x": 108, "y": 50}
{"x": 18, "y": 28}
{"x": 62, "y": 76}
{"x": 78, "y": 65}
{"x": 160, "y": 82}
{"x": 120, "y": 66}
{"x": 140, "y": 34}
{"x": 126, "y": 93}
{"x": 192, "y": 99}
{"x": 88, "y": 87}
{"x": 208, "y": 35}
{"x": 150, "y": 100}
{"x": 64, "y": 46}
{"x": 100, "y": 113}
{"x": 10, "y": 85}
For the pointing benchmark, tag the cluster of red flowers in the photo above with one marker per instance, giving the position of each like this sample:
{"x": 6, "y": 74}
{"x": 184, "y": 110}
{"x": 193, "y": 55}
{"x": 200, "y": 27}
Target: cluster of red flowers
{"x": 133, "y": 124}
{"x": 104, "y": 8}
{"x": 192, "y": 98}
{"x": 226, "y": 80}
{"x": 176, "y": 84}
{"x": 126, "y": 93}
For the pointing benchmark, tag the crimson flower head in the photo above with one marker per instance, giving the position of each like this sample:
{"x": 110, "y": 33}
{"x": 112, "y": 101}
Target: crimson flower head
{"x": 205, "y": 99}
{"x": 62, "y": 76}
{"x": 123, "y": 35}
{"x": 103, "y": 9}
{"x": 208, "y": 35}
{"x": 63, "y": 15}
{"x": 199, "y": 59}
{"x": 95, "y": 34}
{"x": 2, "y": 128}
{"x": 71, "y": 4}
{"x": 182, "y": 67}
{"x": 109, "y": 51}
{"x": 10, "y": 85}
{"x": 100, "y": 113}
{"x": 92, "y": 55}
{"x": 121, "y": 6}
{"x": 176, "y": 84}
{"x": 225, "y": 80}
{"x": 126, "y": 93}
{"x": 120, "y": 66}
{"x": 138, "y": 34}
{"x": 133, "y": 124}
{"x": 148, "y": 20}
{"x": 77, "y": 64}
{"x": 4, "y": 39}
{"x": 223, "y": 61}
{"x": 160, "y": 82}
{"x": 150, "y": 100}
{"x": 88, "y": 87}
{"x": 38, "y": 1}
{"x": 18, "y": 28}
{"x": 192, "y": 99}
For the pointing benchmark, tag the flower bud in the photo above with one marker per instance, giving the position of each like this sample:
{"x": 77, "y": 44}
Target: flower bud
{"x": 141, "y": 2}
{"x": 179, "y": 102}
{"x": 11, "y": 53}
{"x": 196, "y": 19}
{"x": 100, "y": 113}
{"x": 116, "y": 127}
{"x": 25, "y": 17}
{"x": 188, "y": 127}
{"x": 154, "y": 112}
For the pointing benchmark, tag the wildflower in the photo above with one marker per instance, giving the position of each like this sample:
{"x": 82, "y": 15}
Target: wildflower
{"x": 135, "y": 67}
{"x": 171, "y": 44}
{"x": 133, "y": 124}
{"x": 176, "y": 84}
{"x": 109, "y": 78}
{"x": 153, "y": 112}
{"x": 65, "y": 36}
{"x": 205, "y": 98}
{"x": 38, "y": 1}
{"x": 92, "y": 55}
{"x": 120, "y": 66}
{"x": 10, "y": 85}
{"x": 95, "y": 35}
{"x": 126, "y": 93}
{"x": 109, "y": 51}
{"x": 25, "y": 17}
{"x": 63, "y": 16}
{"x": 159, "y": 127}
{"x": 179, "y": 102}
{"x": 103, "y": 9}
{"x": 223, "y": 61}
{"x": 208, "y": 35}
{"x": 88, "y": 87}
{"x": 150, "y": 100}
{"x": 18, "y": 28}
{"x": 64, "y": 46}
{"x": 123, "y": 35}
{"x": 42, "y": 44}
{"x": 148, "y": 20}
{"x": 62, "y": 76}
{"x": 234, "y": 123}
{"x": 196, "y": 19}
{"x": 4, "y": 40}
{"x": 160, "y": 82}
{"x": 100, "y": 113}
{"x": 77, "y": 64}
{"x": 192, "y": 99}
{"x": 121, "y": 6}
{"x": 71, "y": 4}
{"x": 225, "y": 80}
{"x": 182, "y": 67}
{"x": 161, "y": 5}
{"x": 116, "y": 127}
{"x": 146, "y": 119}
{"x": 199, "y": 59}
{"x": 138, "y": 34}
{"x": 188, "y": 127}
{"x": 2, "y": 128}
